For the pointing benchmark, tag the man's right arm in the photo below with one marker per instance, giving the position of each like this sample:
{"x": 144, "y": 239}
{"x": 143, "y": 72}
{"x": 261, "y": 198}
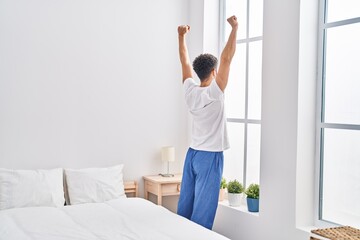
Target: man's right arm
{"x": 183, "y": 52}
{"x": 227, "y": 55}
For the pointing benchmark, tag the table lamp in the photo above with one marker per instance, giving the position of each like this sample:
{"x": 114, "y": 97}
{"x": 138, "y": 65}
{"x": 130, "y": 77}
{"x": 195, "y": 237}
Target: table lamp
{"x": 168, "y": 155}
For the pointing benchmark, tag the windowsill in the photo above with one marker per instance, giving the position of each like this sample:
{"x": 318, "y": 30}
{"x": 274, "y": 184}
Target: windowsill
{"x": 241, "y": 208}
{"x": 308, "y": 229}
{"x": 323, "y": 225}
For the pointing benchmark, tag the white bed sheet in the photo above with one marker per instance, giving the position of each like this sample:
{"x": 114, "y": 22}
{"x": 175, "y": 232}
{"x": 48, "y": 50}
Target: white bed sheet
{"x": 120, "y": 219}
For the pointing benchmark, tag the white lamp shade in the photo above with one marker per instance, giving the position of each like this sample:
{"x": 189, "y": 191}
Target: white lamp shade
{"x": 168, "y": 154}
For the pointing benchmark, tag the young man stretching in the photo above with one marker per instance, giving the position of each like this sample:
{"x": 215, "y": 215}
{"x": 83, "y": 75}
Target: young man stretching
{"x": 204, "y": 160}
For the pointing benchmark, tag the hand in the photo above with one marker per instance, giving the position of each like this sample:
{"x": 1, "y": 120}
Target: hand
{"x": 233, "y": 21}
{"x": 183, "y": 29}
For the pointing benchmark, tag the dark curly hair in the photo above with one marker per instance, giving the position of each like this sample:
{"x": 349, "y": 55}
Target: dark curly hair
{"x": 204, "y": 64}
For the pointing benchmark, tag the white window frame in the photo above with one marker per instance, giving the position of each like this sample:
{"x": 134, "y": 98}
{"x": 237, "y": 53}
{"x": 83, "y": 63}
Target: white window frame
{"x": 246, "y": 41}
{"x": 320, "y": 124}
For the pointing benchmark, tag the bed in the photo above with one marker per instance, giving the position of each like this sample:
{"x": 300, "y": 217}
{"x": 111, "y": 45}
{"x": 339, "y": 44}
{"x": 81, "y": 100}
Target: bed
{"x": 102, "y": 219}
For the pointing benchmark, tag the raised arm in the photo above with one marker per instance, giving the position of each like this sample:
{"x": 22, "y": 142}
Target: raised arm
{"x": 183, "y": 52}
{"x": 227, "y": 55}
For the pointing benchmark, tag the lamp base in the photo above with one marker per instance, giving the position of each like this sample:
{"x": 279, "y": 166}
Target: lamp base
{"x": 166, "y": 175}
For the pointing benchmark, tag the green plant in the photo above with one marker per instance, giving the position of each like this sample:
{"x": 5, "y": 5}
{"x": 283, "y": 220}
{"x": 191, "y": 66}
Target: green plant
{"x": 223, "y": 183}
{"x": 235, "y": 187}
{"x": 253, "y": 191}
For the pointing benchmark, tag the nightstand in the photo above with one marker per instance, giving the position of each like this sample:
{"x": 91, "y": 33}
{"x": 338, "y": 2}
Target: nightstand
{"x": 162, "y": 186}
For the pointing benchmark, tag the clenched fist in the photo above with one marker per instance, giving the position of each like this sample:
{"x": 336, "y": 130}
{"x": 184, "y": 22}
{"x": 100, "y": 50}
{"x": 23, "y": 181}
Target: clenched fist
{"x": 183, "y": 29}
{"x": 233, "y": 21}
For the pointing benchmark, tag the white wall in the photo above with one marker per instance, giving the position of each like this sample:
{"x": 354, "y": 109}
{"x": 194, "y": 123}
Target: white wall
{"x": 91, "y": 83}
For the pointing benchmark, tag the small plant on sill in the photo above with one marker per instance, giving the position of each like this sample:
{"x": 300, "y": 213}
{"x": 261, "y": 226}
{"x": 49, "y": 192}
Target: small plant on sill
{"x": 223, "y": 183}
{"x": 253, "y": 195}
{"x": 223, "y": 186}
{"x": 235, "y": 187}
{"x": 234, "y": 193}
{"x": 253, "y": 191}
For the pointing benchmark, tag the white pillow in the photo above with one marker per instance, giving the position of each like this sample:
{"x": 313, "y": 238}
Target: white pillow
{"x": 30, "y": 188}
{"x": 95, "y": 184}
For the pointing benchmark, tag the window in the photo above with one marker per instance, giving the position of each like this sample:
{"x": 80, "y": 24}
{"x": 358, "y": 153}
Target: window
{"x": 339, "y": 112}
{"x": 243, "y": 93}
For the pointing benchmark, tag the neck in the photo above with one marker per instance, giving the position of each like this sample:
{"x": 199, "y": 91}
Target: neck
{"x": 206, "y": 82}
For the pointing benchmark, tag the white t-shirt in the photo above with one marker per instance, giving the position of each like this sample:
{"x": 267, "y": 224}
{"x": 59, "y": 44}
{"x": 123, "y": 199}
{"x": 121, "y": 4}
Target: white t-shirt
{"x": 206, "y": 105}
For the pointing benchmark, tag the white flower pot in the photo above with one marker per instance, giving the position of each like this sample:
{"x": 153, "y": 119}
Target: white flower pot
{"x": 234, "y": 199}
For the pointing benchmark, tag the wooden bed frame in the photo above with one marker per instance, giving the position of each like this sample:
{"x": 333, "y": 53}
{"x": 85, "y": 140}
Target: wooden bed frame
{"x": 131, "y": 188}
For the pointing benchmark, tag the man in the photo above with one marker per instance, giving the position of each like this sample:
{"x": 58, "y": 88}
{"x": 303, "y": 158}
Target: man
{"x": 204, "y": 160}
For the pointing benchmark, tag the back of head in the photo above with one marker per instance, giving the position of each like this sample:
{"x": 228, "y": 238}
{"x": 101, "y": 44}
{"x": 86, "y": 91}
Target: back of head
{"x": 204, "y": 64}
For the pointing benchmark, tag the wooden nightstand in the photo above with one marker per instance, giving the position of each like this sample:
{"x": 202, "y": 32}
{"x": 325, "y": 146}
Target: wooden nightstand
{"x": 162, "y": 186}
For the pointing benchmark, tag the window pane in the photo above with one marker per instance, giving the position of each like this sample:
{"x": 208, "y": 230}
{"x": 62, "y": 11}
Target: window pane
{"x": 342, "y": 86}
{"x": 254, "y": 80}
{"x": 256, "y": 18}
{"x": 341, "y": 178}
{"x": 342, "y": 9}
{"x": 239, "y": 9}
{"x": 253, "y": 154}
{"x": 234, "y": 157}
{"x": 235, "y": 90}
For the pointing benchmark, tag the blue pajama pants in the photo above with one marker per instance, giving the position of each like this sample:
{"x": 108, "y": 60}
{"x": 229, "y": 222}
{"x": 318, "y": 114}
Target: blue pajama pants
{"x": 200, "y": 186}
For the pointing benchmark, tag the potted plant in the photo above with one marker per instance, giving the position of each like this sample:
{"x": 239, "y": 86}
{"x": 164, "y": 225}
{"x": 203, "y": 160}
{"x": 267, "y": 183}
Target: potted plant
{"x": 223, "y": 186}
{"x": 252, "y": 199}
{"x": 234, "y": 193}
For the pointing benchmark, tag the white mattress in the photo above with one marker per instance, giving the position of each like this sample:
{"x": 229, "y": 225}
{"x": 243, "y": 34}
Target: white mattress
{"x": 127, "y": 218}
